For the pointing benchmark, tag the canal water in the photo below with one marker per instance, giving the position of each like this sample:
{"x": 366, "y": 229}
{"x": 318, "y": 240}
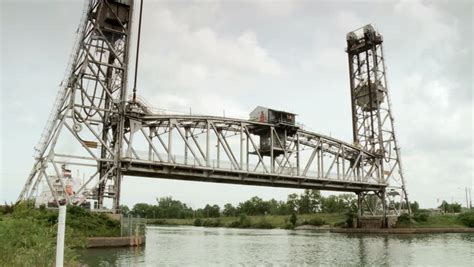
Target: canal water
{"x": 200, "y": 246}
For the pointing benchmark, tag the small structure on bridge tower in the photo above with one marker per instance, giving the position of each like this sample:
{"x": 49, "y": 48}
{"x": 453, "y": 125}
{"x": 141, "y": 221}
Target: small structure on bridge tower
{"x": 284, "y": 126}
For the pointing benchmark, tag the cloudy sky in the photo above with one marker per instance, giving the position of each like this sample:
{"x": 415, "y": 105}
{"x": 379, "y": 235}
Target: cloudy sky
{"x": 212, "y": 56}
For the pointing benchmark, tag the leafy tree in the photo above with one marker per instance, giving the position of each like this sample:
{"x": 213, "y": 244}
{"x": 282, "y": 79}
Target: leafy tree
{"x": 350, "y": 201}
{"x": 282, "y": 208}
{"x": 456, "y": 207}
{"x": 229, "y": 210}
{"x": 444, "y": 206}
{"x": 451, "y": 208}
{"x": 309, "y": 202}
{"x": 141, "y": 209}
{"x": 254, "y": 206}
{"x": 414, "y": 206}
{"x": 199, "y": 213}
{"x": 293, "y": 202}
{"x": 211, "y": 211}
{"x": 341, "y": 203}
{"x": 125, "y": 210}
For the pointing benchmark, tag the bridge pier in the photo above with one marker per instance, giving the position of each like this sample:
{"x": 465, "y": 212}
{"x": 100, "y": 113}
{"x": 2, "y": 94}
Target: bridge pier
{"x": 360, "y": 210}
{"x": 384, "y": 209}
{"x": 374, "y": 220}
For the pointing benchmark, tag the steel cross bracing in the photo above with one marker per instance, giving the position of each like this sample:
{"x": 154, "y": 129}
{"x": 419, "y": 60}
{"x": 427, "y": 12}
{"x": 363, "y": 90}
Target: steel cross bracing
{"x": 98, "y": 131}
{"x": 373, "y": 123}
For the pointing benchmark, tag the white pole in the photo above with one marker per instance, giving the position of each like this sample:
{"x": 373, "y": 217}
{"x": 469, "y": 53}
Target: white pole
{"x": 60, "y": 239}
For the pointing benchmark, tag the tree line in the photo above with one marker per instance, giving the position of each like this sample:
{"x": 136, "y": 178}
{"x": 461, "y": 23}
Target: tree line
{"x": 310, "y": 201}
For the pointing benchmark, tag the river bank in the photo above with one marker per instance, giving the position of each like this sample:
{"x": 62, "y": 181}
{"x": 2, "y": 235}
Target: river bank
{"x": 258, "y": 222}
{"x": 28, "y": 234}
{"x": 445, "y": 230}
{"x": 314, "y": 221}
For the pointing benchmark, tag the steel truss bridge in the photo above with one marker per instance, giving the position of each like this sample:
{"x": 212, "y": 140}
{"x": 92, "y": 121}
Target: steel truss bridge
{"x": 98, "y": 129}
{"x": 226, "y": 150}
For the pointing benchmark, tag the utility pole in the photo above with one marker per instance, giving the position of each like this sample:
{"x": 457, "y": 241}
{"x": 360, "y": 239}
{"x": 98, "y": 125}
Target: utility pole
{"x": 467, "y": 200}
{"x": 60, "y": 236}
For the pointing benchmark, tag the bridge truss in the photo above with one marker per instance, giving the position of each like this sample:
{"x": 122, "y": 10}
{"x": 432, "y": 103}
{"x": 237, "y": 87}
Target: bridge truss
{"x": 96, "y": 129}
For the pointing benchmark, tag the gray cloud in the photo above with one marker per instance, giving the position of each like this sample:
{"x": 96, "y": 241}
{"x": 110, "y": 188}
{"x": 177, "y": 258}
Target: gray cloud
{"x": 289, "y": 55}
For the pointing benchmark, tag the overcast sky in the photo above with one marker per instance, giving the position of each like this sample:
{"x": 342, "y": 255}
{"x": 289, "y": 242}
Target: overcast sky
{"x": 230, "y": 55}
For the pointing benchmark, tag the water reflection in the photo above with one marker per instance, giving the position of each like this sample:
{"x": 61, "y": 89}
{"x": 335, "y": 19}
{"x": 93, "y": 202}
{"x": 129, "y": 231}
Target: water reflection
{"x": 199, "y": 246}
{"x": 112, "y": 257}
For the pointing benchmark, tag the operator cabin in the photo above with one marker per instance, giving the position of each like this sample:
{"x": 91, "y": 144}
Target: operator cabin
{"x": 284, "y": 126}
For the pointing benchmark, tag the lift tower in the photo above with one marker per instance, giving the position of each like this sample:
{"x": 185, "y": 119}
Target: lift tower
{"x": 90, "y": 104}
{"x": 372, "y": 119}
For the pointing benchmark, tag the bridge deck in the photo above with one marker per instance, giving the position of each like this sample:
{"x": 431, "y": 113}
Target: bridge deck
{"x": 144, "y": 168}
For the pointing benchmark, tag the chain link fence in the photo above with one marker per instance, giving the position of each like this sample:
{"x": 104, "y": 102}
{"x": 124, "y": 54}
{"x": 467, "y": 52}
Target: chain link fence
{"x": 132, "y": 226}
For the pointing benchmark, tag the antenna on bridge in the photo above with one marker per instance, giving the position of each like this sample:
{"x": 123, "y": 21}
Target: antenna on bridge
{"x": 138, "y": 52}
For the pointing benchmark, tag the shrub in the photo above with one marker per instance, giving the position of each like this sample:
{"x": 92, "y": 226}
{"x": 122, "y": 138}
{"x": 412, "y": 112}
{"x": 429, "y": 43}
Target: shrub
{"x": 6, "y": 209}
{"x": 159, "y": 222}
{"x": 466, "y": 218}
{"x": 211, "y": 223}
{"x": 263, "y": 224}
{"x": 293, "y": 219}
{"x": 27, "y": 240}
{"x": 316, "y": 222}
{"x": 404, "y": 219}
{"x": 234, "y": 224}
{"x": 244, "y": 221}
{"x": 42, "y": 207}
{"x": 198, "y": 222}
{"x": 350, "y": 218}
{"x": 421, "y": 217}
{"x": 289, "y": 226}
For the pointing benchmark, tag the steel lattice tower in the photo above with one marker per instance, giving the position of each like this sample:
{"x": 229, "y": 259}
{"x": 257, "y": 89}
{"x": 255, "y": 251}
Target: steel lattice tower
{"x": 91, "y": 102}
{"x": 372, "y": 119}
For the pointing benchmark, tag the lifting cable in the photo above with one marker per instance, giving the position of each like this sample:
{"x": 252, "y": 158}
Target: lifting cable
{"x": 137, "y": 54}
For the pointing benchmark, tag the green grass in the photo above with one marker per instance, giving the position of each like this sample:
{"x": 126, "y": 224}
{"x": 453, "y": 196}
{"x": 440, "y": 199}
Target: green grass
{"x": 276, "y": 221}
{"x": 435, "y": 221}
{"x": 28, "y": 235}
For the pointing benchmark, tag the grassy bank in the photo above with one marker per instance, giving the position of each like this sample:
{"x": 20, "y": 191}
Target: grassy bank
{"x": 436, "y": 221}
{"x": 268, "y": 221}
{"x": 28, "y": 235}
